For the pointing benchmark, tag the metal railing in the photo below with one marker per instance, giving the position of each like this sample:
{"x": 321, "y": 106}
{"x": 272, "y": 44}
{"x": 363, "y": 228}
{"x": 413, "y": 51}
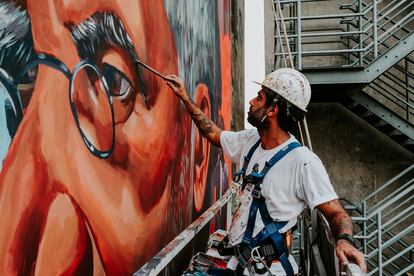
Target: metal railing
{"x": 354, "y": 37}
{"x": 362, "y": 32}
{"x": 396, "y": 86}
{"x": 317, "y": 247}
{"x": 386, "y": 224}
{"x": 169, "y": 252}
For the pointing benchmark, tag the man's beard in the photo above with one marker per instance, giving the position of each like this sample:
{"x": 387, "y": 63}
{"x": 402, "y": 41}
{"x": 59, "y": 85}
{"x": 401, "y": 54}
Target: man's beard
{"x": 257, "y": 118}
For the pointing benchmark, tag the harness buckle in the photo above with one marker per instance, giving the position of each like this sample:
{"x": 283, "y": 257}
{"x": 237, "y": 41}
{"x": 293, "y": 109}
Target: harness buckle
{"x": 244, "y": 257}
{"x": 255, "y": 254}
{"x": 238, "y": 176}
{"x": 267, "y": 250}
{"x": 256, "y": 193}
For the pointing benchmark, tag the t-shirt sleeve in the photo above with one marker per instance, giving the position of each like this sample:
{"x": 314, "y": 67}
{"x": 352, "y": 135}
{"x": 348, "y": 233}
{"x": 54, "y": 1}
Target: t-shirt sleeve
{"x": 315, "y": 187}
{"x": 232, "y": 143}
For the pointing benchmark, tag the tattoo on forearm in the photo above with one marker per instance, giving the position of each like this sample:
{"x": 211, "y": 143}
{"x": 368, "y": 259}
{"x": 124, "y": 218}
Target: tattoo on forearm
{"x": 204, "y": 123}
{"x": 341, "y": 223}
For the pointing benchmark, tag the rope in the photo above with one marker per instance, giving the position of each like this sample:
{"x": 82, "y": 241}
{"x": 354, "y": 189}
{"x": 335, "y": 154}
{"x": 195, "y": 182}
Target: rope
{"x": 280, "y": 36}
{"x": 279, "y": 17}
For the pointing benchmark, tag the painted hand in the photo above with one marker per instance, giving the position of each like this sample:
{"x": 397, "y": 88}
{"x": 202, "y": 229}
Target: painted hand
{"x": 346, "y": 252}
{"x": 177, "y": 86}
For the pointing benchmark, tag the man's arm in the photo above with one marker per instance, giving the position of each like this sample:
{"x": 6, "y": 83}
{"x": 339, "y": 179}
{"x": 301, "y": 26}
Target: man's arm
{"x": 206, "y": 126}
{"x": 341, "y": 223}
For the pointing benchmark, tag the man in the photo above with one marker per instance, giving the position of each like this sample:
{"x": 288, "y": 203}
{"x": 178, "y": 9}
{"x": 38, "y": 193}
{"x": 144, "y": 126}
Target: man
{"x": 66, "y": 211}
{"x": 296, "y": 180}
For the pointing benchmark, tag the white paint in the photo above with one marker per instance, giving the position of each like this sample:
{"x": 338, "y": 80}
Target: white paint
{"x": 254, "y": 51}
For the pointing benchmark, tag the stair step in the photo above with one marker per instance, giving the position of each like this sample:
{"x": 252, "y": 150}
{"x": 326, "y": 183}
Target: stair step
{"x": 395, "y": 133}
{"x": 380, "y": 123}
{"x": 351, "y": 104}
{"x": 366, "y": 114}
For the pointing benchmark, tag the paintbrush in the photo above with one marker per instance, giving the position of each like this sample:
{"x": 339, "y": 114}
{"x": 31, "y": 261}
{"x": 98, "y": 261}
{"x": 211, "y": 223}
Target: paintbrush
{"x": 156, "y": 72}
{"x": 152, "y": 70}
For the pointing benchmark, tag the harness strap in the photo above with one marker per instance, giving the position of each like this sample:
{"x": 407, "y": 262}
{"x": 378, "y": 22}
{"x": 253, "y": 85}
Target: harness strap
{"x": 271, "y": 229}
{"x": 258, "y": 200}
{"x": 277, "y": 157}
{"x": 248, "y": 157}
{"x": 248, "y": 234}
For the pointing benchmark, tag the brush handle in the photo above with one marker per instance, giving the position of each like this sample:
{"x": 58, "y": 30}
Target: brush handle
{"x": 152, "y": 70}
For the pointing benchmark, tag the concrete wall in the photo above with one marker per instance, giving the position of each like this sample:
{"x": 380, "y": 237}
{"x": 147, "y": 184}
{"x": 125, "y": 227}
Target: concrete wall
{"x": 358, "y": 157}
{"x": 237, "y": 64}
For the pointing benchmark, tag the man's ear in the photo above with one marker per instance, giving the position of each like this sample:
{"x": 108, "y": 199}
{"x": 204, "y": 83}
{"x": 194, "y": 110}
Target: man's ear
{"x": 201, "y": 149}
{"x": 273, "y": 110}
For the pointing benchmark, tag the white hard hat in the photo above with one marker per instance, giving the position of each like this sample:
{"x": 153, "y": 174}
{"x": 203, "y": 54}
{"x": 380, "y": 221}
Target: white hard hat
{"x": 291, "y": 84}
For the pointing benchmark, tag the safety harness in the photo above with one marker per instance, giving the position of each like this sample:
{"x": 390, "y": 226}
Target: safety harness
{"x": 270, "y": 232}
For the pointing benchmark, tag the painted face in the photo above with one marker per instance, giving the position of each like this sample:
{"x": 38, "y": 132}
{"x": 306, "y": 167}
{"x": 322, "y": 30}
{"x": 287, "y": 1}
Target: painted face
{"x": 258, "y": 110}
{"x": 127, "y": 200}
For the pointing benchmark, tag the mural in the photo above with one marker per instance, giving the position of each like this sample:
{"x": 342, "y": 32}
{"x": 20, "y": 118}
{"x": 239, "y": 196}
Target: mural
{"x": 101, "y": 165}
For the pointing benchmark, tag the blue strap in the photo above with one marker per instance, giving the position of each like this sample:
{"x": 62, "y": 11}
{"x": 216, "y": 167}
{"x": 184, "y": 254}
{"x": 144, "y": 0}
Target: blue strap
{"x": 271, "y": 228}
{"x": 260, "y": 176}
{"x": 248, "y": 234}
{"x": 282, "y": 253}
{"x": 278, "y": 156}
{"x": 248, "y": 157}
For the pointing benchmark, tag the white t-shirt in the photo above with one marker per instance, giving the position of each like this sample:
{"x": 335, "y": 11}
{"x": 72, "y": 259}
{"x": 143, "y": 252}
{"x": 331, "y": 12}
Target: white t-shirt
{"x": 297, "y": 180}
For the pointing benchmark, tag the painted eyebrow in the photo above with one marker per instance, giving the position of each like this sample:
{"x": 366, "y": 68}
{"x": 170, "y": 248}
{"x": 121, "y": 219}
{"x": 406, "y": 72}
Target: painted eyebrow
{"x": 102, "y": 30}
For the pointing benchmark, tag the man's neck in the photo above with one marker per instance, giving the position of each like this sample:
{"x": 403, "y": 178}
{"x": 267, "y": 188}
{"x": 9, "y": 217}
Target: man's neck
{"x": 272, "y": 137}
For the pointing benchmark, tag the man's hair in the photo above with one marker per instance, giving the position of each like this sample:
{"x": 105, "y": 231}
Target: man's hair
{"x": 288, "y": 115}
{"x": 16, "y": 41}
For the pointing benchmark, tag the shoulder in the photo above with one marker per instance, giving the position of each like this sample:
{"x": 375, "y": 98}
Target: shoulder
{"x": 244, "y": 136}
{"x": 303, "y": 156}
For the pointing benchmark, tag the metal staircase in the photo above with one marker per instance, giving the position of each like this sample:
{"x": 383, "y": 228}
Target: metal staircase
{"x": 385, "y": 219}
{"x": 359, "y": 53}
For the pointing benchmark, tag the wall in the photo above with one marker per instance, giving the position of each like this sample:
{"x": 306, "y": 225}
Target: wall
{"x": 106, "y": 166}
{"x": 358, "y": 157}
{"x": 237, "y": 40}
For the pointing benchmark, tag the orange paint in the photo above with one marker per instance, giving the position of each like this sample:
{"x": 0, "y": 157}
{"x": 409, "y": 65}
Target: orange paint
{"x": 65, "y": 211}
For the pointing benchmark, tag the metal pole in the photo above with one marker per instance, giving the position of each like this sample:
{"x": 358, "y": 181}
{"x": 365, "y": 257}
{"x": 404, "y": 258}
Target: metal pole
{"x": 360, "y": 37}
{"x": 375, "y": 27}
{"x": 379, "y": 226}
{"x": 307, "y": 135}
{"x": 299, "y": 33}
{"x": 364, "y": 226}
{"x": 407, "y": 95}
{"x": 282, "y": 24}
{"x": 276, "y": 15}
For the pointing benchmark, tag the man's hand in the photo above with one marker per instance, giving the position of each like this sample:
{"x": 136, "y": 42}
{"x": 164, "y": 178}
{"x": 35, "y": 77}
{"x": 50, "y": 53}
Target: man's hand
{"x": 205, "y": 125}
{"x": 177, "y": 86}
{"x": 340, "y": 223}
{"x": 346, "y": 252}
